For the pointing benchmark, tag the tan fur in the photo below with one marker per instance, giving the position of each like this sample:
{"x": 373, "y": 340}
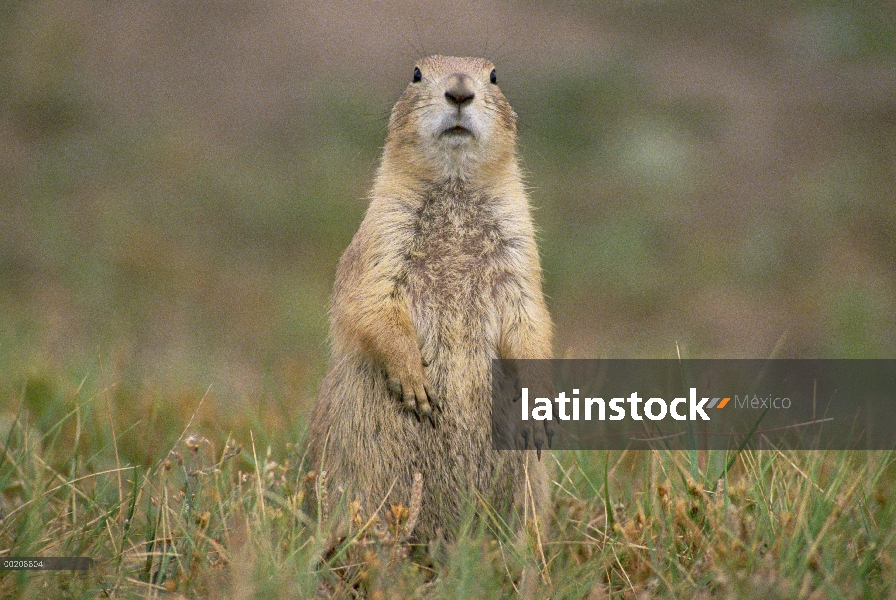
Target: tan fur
{"x": 442, "y": 276}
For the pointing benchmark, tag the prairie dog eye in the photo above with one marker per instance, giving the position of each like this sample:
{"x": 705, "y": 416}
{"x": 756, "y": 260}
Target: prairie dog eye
{"x": 417, "y": 75}
{"x": 493, "y": 77}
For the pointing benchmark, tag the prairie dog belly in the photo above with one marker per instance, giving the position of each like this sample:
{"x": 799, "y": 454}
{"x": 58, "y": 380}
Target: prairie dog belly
{"x": 454, "y": 295}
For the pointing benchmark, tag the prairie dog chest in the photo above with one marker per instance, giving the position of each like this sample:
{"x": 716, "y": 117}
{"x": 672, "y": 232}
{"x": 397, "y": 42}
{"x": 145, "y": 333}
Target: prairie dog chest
{"x": 457, "y": 257}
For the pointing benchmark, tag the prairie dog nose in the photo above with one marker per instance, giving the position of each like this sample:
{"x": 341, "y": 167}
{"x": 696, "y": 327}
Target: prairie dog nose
{"x": 459, "y": 91}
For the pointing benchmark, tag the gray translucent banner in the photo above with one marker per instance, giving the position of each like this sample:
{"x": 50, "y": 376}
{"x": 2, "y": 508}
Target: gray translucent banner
{"x": 616, "y": 404}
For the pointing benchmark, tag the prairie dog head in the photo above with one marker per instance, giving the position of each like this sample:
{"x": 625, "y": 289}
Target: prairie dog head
{"x": 452, "y": 120}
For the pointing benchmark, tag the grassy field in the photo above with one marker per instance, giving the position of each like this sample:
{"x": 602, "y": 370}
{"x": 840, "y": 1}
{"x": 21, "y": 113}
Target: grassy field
{"x": 213, "y": 517}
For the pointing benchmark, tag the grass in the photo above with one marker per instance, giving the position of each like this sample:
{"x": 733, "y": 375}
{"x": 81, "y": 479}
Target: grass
{"x": 226, "y": 518}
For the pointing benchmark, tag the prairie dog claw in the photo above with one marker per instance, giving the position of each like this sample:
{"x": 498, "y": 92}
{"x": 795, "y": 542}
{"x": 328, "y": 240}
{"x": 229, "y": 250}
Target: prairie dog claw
{"x": 411, "y": 387}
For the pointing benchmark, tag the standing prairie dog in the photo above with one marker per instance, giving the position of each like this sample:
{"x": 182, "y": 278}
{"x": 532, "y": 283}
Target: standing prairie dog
{"x": 442, "y": 276}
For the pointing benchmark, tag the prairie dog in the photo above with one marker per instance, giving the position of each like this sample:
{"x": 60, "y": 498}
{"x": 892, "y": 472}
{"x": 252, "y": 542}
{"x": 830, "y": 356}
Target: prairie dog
{"x": 442, "y": 276}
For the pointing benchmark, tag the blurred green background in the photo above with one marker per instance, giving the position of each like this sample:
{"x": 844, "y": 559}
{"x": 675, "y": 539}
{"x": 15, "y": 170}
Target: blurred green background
{"x": 179, "y": 179}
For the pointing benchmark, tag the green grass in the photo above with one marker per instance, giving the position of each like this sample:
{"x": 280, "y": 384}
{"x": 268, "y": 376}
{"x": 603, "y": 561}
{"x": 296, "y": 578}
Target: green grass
{"x": 221, "y": 517}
